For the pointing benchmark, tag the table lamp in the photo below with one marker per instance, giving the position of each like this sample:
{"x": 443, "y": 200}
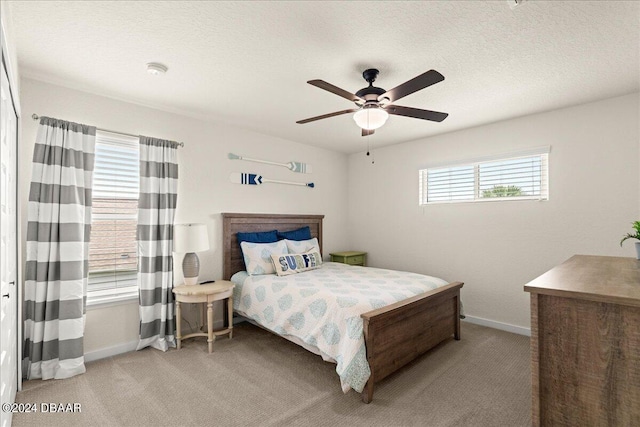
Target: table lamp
{"x": 189, "y": 239}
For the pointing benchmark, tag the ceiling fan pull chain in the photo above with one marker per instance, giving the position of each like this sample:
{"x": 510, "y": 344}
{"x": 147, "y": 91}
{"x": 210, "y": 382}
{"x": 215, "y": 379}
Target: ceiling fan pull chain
{"x": 373, "y": 157}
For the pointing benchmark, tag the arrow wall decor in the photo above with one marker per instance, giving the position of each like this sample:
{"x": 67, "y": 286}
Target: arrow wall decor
{"x": 255, "y": 179}
{"x": 298, "y": 167}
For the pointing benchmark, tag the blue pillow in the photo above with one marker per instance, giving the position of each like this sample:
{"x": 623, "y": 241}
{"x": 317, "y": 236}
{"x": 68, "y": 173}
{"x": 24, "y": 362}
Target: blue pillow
{"x": 258, "y": 237}
{"x": 303, "y": 233}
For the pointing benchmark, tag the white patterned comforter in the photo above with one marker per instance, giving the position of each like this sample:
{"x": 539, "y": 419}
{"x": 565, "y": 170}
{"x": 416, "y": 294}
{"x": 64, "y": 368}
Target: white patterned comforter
{"x": 322, "y": 308}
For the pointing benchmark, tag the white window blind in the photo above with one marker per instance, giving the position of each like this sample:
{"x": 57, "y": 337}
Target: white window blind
{"x": 113, "y": 259}
{"x": 521, "y": 176}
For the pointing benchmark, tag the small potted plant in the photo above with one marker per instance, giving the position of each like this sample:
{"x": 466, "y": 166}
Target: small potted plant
{"x": 636, "y": 235}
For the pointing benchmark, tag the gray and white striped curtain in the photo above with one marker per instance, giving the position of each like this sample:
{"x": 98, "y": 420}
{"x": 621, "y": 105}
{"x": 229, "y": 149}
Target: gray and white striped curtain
{"x": 59, "y": 223}
{"x": 156, "y": 210}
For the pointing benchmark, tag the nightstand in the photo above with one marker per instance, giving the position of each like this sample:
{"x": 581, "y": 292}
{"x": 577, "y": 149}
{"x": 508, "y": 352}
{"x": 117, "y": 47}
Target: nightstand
{"x": 350, "y": 257}
{"x": 208, "y": 293}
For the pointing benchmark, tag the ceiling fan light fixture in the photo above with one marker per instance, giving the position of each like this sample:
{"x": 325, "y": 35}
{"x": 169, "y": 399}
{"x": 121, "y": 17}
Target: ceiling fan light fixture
{"x": 374, "y": 104}
{"x": 370, "y": 117}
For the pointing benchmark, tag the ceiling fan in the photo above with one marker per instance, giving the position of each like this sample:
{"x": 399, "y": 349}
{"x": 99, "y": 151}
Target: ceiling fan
{"x": 375, "y": 104}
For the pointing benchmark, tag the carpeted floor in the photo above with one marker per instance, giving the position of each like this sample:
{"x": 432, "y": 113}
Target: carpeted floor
{"x": 259, "y": 379}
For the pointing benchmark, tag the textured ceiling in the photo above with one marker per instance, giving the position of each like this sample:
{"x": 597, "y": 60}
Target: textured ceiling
{"x": 246, "y": 63}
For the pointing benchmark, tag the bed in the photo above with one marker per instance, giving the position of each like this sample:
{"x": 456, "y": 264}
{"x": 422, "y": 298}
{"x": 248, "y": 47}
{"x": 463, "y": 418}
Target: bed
{"x": 394, "y": 334}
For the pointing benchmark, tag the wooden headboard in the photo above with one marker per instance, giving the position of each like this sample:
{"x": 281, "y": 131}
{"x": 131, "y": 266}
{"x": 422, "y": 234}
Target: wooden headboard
{"x": 232, "y": 223}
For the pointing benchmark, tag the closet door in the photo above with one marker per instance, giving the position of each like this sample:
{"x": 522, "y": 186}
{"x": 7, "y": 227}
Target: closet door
{"x": 8, "y": 249}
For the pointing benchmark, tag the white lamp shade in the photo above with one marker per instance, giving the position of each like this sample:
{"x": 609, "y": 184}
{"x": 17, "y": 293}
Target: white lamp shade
{"x": 189, "y": 238}
{"x": 370, "y": 118}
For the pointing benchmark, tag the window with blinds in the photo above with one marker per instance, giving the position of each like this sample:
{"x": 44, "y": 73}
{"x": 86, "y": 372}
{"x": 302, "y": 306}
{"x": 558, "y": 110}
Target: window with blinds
{"x": 521, "y": 176}
{"x": 113, "y": 259}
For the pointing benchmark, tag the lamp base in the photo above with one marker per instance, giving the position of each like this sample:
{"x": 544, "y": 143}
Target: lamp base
{"x": 191, "y": 268}
{"x": 190, "y": 280}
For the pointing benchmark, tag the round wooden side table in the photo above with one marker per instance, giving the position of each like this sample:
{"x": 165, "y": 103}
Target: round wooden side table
{"x": 208, "y": 293}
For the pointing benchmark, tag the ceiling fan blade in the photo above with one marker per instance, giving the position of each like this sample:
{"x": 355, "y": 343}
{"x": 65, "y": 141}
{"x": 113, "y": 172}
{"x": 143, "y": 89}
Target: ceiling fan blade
{"x": 367, "y": 132}
{"x": 416, "y": 113}
{"x": 326, "y": 116}
{"x": 336, "y": 90}
{"x": 427, "y": 79}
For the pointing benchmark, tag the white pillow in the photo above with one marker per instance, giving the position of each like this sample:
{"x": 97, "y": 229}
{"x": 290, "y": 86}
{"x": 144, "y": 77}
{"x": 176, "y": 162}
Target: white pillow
{"x": 257, "y": 256}
{"x": 296, "y": 263}
{"x": 302, "y": 246}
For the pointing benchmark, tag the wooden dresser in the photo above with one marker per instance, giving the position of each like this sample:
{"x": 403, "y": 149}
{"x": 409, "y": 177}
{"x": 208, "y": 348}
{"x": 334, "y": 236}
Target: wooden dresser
{"x": 585, "y": 343}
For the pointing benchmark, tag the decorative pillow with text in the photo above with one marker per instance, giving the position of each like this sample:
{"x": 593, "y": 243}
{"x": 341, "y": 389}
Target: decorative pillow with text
{"x": 296, "y": 263}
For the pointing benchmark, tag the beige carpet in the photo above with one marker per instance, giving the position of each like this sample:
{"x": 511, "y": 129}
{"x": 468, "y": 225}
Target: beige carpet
{"x": 259, "y": 379}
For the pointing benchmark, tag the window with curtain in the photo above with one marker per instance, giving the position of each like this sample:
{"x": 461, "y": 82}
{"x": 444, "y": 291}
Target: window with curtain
{"x": 113, "y": 257}
{"x": 520, "y": 176}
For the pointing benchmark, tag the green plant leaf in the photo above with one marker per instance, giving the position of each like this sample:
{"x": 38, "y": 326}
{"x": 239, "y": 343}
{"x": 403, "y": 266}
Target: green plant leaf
{"x": 636, "y": 236}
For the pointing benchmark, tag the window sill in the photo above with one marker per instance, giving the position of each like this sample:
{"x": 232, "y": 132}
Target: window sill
{"x": 107, "y": 297}
{"x": 486, "y": 200}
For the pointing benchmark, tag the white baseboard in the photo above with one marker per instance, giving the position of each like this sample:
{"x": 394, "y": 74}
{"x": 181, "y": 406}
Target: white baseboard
{"x": 103, "y": 353}
{"x": 126, "y": 347}
{"x": 498, "y": 325}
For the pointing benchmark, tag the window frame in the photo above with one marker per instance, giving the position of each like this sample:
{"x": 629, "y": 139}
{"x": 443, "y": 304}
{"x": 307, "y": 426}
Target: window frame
{"x": 542, "y": 152}
{"x": 112, "y": 294}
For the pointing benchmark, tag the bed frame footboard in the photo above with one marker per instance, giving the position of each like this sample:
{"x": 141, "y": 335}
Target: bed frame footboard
{"x": 399, "y": 333}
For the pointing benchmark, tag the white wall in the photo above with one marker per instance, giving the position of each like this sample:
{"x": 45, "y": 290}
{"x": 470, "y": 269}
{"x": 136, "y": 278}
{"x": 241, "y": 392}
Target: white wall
{"x": 11, "y": 53}
{"x": 496, "y": 248}
{"x": 204, "y": 188}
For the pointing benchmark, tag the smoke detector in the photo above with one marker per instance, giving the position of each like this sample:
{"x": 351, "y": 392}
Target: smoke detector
{"x": 156, "y": 69}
